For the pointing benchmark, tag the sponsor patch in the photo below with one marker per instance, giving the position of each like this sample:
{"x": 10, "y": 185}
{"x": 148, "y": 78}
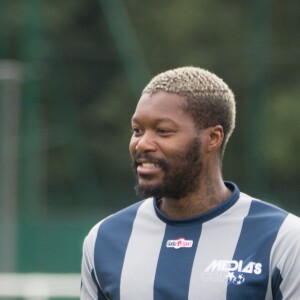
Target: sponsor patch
{"x": 179, "y": 243}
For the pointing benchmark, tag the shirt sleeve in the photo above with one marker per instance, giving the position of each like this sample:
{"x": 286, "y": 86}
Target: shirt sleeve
{"x": 90, "y": 287}
{"x": 285, "y": 262}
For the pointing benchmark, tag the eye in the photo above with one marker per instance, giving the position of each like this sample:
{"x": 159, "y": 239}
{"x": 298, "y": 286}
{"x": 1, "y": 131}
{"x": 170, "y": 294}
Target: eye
{"x": 163, "y": 131}
{"x": 136, "y": 131}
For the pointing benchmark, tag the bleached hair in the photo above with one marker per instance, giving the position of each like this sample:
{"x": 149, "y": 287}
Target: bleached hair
{"x": 209, "y": 100}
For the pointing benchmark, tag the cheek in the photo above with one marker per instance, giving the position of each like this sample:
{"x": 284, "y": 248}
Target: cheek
{"x": 178, "y": 155}
{"x": 132, "y": 146}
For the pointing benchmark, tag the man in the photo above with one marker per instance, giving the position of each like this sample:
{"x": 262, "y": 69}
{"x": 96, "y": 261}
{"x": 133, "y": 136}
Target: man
{"x": 194, "y": 236}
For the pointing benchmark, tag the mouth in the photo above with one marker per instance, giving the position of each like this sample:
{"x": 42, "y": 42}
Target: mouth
{"x": 147, "y": 168}
{"x": 148, "y": 165}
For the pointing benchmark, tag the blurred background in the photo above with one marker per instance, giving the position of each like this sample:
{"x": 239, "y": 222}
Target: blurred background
{"x": 71, "y": 73}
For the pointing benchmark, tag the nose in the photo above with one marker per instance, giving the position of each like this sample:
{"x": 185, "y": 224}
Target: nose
{"x": 146, "y": 143}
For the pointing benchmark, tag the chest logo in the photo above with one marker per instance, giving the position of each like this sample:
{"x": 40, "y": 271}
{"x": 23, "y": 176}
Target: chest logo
{"x": 179, "y": 243}
{"x": 234, "y": 271}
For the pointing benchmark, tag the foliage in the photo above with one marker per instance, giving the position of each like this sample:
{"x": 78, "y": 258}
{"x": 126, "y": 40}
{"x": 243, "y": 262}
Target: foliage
{"x": 86, "y": 98}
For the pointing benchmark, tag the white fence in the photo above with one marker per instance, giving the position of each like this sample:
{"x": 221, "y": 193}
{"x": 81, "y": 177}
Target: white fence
{"x": 39, "y": 286}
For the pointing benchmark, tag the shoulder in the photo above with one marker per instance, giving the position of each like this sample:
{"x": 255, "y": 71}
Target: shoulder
{"x": 122, "y": 217}
{"x": 290, "y": 229}
{"x": 286, "y": 248}
{"x": 112, "y": 231}
{"x": 115, "y": 221}
{"x": 288, "y": 237}
{"x": 285, "y": 262}
{"x": 262, "y": 209}
{"x": 268, "y": 221}
{"x": 284, "y": 226}
{"x": 293, "y": 221}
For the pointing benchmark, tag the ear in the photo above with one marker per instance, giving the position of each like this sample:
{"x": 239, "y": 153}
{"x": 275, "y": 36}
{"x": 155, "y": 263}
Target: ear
{"x": 215, "y": 138}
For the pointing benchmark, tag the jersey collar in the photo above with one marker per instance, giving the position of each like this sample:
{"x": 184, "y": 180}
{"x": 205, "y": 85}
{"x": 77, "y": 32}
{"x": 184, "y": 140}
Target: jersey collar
{"x": 216, "y": 211}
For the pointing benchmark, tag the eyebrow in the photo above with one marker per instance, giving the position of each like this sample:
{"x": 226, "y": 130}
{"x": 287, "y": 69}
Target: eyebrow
{"x": 157, "y": 120}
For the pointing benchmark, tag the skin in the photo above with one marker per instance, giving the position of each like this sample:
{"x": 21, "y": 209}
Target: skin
{"x": 163, "y": 130}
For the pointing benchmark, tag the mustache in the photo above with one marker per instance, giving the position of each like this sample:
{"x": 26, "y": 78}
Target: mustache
{"x": 148, "y": 157}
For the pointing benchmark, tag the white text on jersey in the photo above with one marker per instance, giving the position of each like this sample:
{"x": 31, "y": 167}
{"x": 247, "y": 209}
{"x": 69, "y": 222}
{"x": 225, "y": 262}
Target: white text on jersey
{"x": 234, "y": 265}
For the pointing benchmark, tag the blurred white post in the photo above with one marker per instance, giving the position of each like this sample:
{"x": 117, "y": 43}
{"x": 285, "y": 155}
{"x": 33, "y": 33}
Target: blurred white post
{"x": 39, "y": 286}
{"x": 10, "y": 89}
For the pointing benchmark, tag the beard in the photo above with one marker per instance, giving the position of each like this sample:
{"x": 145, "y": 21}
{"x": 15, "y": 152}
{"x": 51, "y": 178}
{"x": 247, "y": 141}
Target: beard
{"x": 181, "y": 174}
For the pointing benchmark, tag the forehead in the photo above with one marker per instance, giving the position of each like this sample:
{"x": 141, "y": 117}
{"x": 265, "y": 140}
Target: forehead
{"x": 161, "y": 105}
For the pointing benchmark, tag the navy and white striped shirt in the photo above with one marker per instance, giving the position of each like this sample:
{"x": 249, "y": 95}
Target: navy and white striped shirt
{"x": 242, "y": 249}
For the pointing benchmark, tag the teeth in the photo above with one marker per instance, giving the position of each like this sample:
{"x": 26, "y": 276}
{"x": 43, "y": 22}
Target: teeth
{"x": 148, "y": 164}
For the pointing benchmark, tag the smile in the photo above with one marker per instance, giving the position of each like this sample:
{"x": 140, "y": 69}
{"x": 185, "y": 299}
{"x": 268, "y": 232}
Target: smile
{"x": 149, "y": 165}
{"x": 148, "y": 168}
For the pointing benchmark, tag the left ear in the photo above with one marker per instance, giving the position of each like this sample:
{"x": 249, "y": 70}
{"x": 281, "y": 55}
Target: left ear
{"x": 215, "y": 138}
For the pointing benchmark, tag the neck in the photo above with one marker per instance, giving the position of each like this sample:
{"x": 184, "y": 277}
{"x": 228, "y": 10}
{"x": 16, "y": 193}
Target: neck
{"x": 211, "y": 192}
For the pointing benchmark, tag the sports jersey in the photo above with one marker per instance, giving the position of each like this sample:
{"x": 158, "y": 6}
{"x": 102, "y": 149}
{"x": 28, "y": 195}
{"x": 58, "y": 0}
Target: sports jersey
{"x": 242, "y": 249}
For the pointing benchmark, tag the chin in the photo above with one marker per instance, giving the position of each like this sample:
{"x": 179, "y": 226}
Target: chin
{"x": 148, "y": 181}
{"x": 148, "y": 190}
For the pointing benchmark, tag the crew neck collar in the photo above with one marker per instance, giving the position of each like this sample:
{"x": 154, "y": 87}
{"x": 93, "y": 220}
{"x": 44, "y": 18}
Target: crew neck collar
{"x": 204, "y": 217}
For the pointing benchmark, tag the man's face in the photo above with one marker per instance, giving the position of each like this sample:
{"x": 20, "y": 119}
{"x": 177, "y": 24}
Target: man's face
{"x": 165, "y": 147}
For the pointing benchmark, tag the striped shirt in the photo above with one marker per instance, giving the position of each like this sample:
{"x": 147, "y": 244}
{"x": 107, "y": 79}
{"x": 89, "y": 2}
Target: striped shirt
{"x": 243, "y": 249}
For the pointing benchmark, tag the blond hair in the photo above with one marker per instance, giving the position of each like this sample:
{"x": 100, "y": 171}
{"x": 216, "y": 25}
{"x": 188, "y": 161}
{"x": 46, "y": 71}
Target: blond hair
{"x": 209, "y": 100}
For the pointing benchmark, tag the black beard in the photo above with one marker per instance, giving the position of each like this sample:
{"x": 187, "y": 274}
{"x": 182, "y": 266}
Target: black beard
{"x": 181, "y": 174}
